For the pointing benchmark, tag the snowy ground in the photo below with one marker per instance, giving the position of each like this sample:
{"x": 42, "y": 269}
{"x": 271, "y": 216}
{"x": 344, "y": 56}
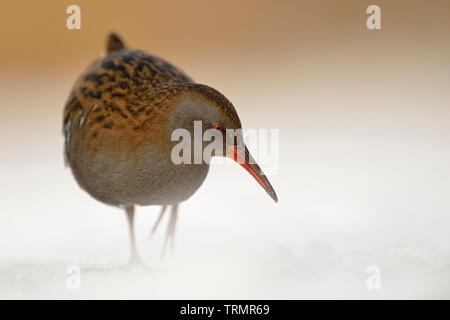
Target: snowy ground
{"x": 357, "y": 188}
{"x": 316, "y": 243}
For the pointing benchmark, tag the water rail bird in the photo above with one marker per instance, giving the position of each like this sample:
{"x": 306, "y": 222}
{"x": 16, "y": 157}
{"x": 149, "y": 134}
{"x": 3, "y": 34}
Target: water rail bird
{"x": 117, "y": 126}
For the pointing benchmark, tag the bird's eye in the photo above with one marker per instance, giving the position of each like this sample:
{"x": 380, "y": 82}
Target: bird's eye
{"x": 217, "y": 127}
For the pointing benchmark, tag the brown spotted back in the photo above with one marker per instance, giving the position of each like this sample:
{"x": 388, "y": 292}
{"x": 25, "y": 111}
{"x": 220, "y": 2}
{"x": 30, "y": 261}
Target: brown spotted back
{"x": 122, "y": 82}
{"x": 116, "y": 92}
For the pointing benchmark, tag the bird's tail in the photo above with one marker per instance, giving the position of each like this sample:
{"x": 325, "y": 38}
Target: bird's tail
{"x": 114, "y": 43}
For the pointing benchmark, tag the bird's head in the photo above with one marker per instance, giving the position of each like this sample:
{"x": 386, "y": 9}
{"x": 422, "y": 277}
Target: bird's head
{"x": 209, "y": 116}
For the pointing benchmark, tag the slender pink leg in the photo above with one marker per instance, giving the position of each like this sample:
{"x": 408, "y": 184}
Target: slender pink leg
{"x": 170, "y": 235}
{"x": 155, "y": 227}
{"x": 134, "y": 258}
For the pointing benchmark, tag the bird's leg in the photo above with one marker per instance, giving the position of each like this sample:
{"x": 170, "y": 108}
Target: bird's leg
{"x": 170, "y": 235}
{"x": 155, "y": 227}
{"x": 134, "y": 258}
{"x": 173, "y": 221}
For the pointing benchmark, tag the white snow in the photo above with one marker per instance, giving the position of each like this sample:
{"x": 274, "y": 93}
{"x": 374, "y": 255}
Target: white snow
{"x": 358, "y": 185}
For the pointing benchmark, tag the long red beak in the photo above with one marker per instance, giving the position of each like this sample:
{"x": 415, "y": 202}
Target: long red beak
{"x": 249, "y": 164}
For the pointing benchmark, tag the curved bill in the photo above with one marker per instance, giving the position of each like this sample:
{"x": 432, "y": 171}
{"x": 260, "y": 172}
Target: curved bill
{"x": 249, "y": 164}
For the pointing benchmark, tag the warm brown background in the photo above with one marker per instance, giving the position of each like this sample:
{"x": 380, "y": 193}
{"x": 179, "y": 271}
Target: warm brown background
{"x": 364, "y": 119}
{"x": 246, "y": 33}
{"x": 261, "y": 50}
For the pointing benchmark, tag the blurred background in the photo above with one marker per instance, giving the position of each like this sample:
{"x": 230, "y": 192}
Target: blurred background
{"x": 364, "y": 162}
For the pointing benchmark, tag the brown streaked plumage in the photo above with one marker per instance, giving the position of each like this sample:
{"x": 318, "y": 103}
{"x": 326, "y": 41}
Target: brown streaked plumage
{"x": 118, "y": 122}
